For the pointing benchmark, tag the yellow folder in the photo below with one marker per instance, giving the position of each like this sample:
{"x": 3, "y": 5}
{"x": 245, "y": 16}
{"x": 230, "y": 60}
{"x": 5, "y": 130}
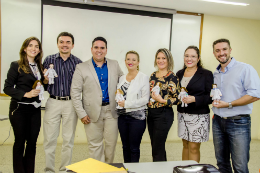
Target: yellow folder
{"x": 94, "y": 166}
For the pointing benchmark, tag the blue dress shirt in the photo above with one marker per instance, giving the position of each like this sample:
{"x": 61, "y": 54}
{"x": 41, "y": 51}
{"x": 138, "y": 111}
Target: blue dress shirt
{"x": 102, "y": 73}
{"x": 239, "y": 79}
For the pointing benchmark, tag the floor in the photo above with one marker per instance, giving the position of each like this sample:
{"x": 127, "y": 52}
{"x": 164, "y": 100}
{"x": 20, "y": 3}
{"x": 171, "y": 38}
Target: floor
{"x": 173, "y": 149}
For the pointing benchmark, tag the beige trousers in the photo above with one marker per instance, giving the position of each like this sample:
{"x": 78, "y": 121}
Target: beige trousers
{"x": 55, "y": 112}
{"x": 102, "y": 136}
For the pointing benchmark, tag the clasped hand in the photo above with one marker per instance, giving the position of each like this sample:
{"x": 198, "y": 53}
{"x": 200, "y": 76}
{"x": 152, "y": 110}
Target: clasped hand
{"x": 156, "y": 97}
{"x": 32, "y": 93}
{"x": 85, "y": 120}
{"x": 188, "y": 99}
{"x": 121, "y": 103}
{"x": 221, "y": 104}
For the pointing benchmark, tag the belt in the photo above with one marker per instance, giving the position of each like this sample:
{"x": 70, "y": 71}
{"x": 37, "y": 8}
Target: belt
{"x": 237, "y": 117}
{"x": 60, "y": 98}
{"x": 105, "y": 103}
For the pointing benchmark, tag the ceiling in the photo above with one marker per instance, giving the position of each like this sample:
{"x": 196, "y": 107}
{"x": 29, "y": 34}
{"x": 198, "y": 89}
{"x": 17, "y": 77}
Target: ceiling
{"x": 251, "y": 11}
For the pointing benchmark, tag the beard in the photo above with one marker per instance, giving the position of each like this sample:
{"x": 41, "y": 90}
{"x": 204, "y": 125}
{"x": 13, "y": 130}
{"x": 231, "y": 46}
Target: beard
{"x": 225, "y": 61}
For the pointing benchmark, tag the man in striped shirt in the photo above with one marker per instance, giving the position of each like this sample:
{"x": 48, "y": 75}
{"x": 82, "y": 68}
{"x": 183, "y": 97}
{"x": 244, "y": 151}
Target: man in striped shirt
{"x": 59, "y": 105}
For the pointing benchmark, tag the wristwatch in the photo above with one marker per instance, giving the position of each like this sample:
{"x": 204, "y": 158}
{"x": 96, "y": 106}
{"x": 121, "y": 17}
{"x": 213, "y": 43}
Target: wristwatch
{"x": 230, "y": 105}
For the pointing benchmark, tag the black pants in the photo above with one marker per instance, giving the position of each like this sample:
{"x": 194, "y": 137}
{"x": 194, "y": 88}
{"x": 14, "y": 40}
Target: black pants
{"x": 26, "y": 123}
{"x": 159, "y": 122}
{"x": 131, "y": 131}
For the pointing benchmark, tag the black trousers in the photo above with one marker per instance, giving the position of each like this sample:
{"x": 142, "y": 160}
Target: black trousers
{"x": 26, "y": 123}
{"x": 131, "y": 132}
{"x": 159, "y": 122}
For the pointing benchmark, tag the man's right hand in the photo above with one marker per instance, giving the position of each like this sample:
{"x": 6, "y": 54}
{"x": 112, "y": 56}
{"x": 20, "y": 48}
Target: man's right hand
{"x": 85, "y": 120}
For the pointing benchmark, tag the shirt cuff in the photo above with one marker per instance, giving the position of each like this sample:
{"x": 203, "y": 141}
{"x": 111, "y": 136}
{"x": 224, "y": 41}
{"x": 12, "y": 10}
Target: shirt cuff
{"x": 253, "y": 93}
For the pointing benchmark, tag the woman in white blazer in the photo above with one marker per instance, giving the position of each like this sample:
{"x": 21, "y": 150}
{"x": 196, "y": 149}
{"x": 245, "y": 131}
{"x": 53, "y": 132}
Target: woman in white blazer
{"x": 132, "y": 110}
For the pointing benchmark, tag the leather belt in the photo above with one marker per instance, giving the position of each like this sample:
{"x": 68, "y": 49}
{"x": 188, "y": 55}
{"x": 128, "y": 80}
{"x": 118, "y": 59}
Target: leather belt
{"x": 105, "y": 103}
{"x": 237, "y": 117}
{"x": 60, "y": 98}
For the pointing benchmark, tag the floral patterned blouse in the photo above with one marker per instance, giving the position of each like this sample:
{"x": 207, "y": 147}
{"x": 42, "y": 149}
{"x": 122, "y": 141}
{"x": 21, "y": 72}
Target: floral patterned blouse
{"x": 170, "y": 89}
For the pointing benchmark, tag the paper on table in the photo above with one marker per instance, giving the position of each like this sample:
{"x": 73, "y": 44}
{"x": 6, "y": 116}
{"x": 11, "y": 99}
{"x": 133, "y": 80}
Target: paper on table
{"x": 92, "y": 166}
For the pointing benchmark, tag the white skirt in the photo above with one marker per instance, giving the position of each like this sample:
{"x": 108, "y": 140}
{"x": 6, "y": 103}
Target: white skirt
{"x": 194, "y": 127}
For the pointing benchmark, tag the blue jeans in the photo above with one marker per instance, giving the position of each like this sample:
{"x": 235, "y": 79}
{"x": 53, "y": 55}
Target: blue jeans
{"x": 232, "y": 137}
{"x": 131, "y": 132}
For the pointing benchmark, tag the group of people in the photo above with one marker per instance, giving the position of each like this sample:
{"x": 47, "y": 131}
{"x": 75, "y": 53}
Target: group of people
{"x": 87, "y": 90}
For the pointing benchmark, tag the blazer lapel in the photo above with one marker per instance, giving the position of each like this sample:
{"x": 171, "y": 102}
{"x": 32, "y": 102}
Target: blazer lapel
{"x": 109, "y": 70}
{"x": 31, "y": 73}
{"x": 93, "y": 72}
{"x": 181, "y": 74}
{"x": 195, "y": 77}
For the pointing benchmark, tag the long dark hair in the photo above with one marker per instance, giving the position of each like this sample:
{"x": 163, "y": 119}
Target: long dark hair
{"x": 23, "y": 62}
{"x": 199, "y": 64}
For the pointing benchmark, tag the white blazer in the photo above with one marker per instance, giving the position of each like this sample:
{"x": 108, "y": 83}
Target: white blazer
{"x": 138, "y": 93}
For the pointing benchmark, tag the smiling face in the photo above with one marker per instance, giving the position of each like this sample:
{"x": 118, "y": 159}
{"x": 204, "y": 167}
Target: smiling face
{"x": 32, "y": 49}
{"x": 99, "y": 51}
{"x": 191, "y": 58}
{"x": 161, "y": 61}
{"x": 131, "y": 61}
{"x": 222, "y": 52}
{"x": 65, "y": 44}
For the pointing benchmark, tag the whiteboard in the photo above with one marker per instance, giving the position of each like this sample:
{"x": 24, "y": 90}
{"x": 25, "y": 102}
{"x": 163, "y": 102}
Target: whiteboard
{"x": 23, "y": 18}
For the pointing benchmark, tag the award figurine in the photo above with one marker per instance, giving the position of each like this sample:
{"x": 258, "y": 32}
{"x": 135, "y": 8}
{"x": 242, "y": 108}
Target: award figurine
{"x": 156, "y": 89}
{"x": 38, "y": 85}
{"x": 183, "y": 94}
{"x": 119, "y": 97}
{"x": 215, "y": 93}
{"x": 51, "y": 74}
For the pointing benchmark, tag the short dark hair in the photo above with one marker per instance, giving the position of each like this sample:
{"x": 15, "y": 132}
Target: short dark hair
{"x": 221, "y": 41}
{"x": 199, "y": 64}
{"x": 65, "y": 34}
{"x": 99, "y": 39}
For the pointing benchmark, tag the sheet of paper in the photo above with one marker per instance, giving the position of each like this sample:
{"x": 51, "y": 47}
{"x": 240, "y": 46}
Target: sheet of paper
{"x": 93, "y": 166}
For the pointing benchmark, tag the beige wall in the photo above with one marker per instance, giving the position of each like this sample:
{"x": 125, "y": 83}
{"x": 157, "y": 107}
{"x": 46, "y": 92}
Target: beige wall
{"x": 244, "y": 35}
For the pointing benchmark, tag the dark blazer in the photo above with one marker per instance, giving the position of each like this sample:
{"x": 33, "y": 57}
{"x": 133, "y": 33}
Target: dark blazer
{"x": 199, "y": 86}
{"x": 18, "y": 83}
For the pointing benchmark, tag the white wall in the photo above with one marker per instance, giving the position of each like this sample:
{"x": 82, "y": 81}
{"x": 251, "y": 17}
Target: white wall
{"x": 25, "y": 15}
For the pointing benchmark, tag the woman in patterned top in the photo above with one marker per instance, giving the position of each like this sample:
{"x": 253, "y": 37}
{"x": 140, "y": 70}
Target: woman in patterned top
{"x": 193, "y": 121}
{"x": 131, "y": 120}
{"x": 160, "y": 113}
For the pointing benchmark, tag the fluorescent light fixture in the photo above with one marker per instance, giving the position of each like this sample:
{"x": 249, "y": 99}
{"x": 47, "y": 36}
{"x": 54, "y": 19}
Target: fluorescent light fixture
{"x": 227, "y": 2}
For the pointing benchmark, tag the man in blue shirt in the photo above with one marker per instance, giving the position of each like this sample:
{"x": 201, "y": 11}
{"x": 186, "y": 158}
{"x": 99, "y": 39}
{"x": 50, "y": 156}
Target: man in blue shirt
{"x": 59, "y": 106}
{"x": 96, "y": 80}
{"x": 240, "y": 87}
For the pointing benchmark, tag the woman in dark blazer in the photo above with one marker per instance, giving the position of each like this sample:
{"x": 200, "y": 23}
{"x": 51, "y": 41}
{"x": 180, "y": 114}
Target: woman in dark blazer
{"x": 24, "y": 111}
{"x": 194, "y": 120}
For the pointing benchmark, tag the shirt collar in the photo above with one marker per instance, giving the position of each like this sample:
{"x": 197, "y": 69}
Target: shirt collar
{"x": 229, "y": 66}
{"x": 95, "y": 65}
{"x": 57, "y": 55}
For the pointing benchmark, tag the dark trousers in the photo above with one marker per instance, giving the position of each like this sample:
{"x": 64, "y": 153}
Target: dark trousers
{"x": 26, "y": 123}
{"x": 159, "y": 122}
{"x": 131, "y": 132}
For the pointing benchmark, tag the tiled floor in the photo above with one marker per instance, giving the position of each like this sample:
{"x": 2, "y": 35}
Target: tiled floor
{"x": 174, "y": 150}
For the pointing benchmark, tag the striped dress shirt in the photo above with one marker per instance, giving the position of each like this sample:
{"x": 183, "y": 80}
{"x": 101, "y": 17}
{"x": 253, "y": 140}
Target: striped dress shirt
{"x": 64, "y": 70}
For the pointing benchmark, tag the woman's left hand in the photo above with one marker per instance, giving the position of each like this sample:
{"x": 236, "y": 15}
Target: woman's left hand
{"x": 189, "y": 99}
{"x": 121, "y": 103}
